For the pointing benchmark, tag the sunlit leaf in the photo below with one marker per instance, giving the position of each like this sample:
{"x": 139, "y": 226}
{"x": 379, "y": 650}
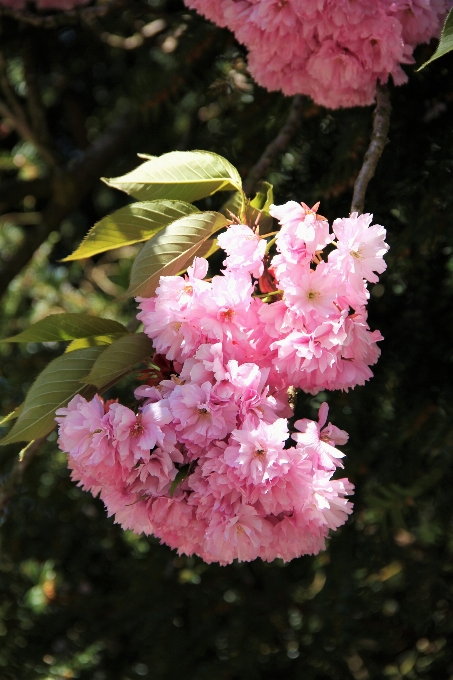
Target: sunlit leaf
{"x": 181, "y": 175}
{"x": 132, "y": 224}
{"x": 235, "y": 205}
{"x": 119, "y": 359}
{"x": 95, "y": 341}
{"x": 167, "y": 252}
{"x": 61, "y": 327}
{"x": 446, "y": 41}
{"x": 264, "y": 197}
{"x": 58, "y": 383}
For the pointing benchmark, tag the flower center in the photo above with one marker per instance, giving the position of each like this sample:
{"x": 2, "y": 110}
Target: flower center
{"x": 137, "y": 429}
{"x": 203, "y": 411}
{"x": 260, "y": 452}
{"x": 356, "y": 254}
{"x": 227, "y": 315}
{"x": 313, "y": 295}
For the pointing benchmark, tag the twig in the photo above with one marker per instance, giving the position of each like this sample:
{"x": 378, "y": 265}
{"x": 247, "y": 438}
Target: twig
{"x": 8, "y": 489}
{"x": 277, "y": 145}
{"x": 381, "y": 123}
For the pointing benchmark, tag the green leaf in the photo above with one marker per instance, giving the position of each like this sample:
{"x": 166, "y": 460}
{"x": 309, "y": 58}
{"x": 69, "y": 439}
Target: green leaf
{"x": 13, "y": 415}
{"x": 249, "y": 212}
{"x": 181, "y": 175}
{"x": 259, "y": 208}
{"x": 235, "y": 204}
{"x": 167, "y": 252}
{"x": 61, "y": 327}
{"x": 264, "y": 197}
{"x": 132, "y": 224}
{"x": 95, "y": 341}
{"x": 181, "y": 475}
{"x": 446, "y": 41}
{"x": 58, "y": 383}
{"x": 119, "y": 359}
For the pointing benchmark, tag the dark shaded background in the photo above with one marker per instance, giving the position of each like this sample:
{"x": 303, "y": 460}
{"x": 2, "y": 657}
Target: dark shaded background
{"x": 80, "y": 598}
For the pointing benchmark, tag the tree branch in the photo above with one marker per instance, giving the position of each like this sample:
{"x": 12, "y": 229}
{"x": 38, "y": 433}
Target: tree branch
{"x": 381, "y": 123}
{"x": 277, "y": 145}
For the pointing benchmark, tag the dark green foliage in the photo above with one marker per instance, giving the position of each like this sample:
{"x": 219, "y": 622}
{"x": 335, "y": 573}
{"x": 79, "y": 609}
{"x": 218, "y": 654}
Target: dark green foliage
{"x": 80, "y": 597}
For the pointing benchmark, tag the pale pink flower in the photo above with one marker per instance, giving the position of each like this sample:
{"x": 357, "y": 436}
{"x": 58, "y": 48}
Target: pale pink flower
{"x": 318, "y": 442}
{"x": 309, "y": 291}
{"x": 244, "y": 248}
{"x": 85, "y": 432}
{"x": 258, "y": 454}
{"x": 238, "y": 536}
{"x": 199, "y": 416}
{"x": 360, "y": 247}
{"x": 136, "y": 434}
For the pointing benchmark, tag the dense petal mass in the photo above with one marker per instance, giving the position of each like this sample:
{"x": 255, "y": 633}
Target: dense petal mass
{"x": 205, "y": 460}
{"x": 336, "y": 51}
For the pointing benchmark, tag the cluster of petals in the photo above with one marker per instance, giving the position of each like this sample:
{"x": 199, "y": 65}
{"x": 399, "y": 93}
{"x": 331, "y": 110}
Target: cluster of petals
{"x": 205, "y": 457}
{"x": 333, "y": 50}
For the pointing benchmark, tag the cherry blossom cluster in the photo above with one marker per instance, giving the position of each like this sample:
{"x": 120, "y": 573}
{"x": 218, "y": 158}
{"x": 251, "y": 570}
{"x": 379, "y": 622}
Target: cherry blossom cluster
{"x": 210, "y": 460}
{"x": 333, "y": 50}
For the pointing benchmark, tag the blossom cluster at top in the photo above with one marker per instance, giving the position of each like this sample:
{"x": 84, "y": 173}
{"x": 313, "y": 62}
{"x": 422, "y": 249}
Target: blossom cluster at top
{"x": 208, "y": 462}
{"x": 62, "y": 5}
{"x": 333, "y": 50}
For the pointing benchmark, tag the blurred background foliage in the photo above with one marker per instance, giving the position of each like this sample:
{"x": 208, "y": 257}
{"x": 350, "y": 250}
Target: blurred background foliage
{"x": 80, "y": 598}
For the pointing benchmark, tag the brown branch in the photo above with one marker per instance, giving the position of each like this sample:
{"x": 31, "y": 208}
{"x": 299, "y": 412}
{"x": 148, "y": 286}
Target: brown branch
{"x": 381, "y": 123}
{"x": 8, "y": 488}
{"x": 277, "y": 145}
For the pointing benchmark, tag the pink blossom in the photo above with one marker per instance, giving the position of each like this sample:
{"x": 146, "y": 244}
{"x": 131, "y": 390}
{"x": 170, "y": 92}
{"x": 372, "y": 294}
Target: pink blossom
{"x": 217, "y": 410}
{"x": 302, "y": 232}
{"x": 199, "y": 416}
{"x": 309, "y": 291}
{"x": 319, "y": 442}
{"x": 136, "y": 434}
{"x": 360, "y": 247}
{"x": 335, "y": 51}
{"x": 238, "y": 536}
{"x": 244, "y": 248}
{"x": 258, "y": 454}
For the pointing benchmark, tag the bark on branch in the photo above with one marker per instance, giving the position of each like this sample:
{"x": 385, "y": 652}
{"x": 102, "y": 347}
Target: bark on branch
{"x": 277, "y": 145}
{"x": 381, "y": 123}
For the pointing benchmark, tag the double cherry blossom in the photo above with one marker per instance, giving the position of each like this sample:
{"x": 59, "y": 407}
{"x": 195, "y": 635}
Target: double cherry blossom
{"x": 333, "y": 50}
{"x": 209, "y": 460}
